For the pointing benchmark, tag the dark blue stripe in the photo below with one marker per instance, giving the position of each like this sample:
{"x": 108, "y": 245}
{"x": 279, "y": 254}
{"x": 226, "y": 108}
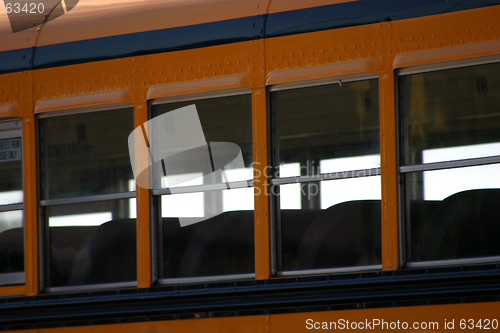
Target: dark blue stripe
{"x": 165, "y": 40}
{"x": 362, "y": 12}
{"x": 15, "y": 60}
{"x": 247, "y": 28}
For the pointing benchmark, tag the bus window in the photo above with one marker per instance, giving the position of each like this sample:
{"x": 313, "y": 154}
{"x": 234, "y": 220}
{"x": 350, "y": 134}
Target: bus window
{"x": 450, "y": 163}
{"x": 86, "y": 198}
{"x": 205, "y": 222}
{"x": 11, "y": 204}
{"x": 326, "y": 178}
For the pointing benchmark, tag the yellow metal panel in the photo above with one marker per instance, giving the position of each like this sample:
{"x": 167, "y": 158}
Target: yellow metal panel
{"x": 13, "y": 290}
{"x": 288, "y": 323}
{"x": 143, "y": 212}
{"x": 30, "y": 207}
{"x": 261, "y": 186}
{"x": 388, "y": 171}
{"x": 95, "y": 19}
{"x": 250, "y": 324}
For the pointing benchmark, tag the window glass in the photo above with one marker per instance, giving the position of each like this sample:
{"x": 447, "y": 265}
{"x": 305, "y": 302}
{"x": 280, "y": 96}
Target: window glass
{"x": 456, "y": 109}
{"x": 453, "y": 213}
{"x": 11, "y": 204}
{"x": 451, "y": 115}
{"x": 330, "y": 131}
{"x": 91, "y": 243}
{"x": 206, "y": 223}
{"x": 333, "y": 121}
{"x": 86, "y": 154}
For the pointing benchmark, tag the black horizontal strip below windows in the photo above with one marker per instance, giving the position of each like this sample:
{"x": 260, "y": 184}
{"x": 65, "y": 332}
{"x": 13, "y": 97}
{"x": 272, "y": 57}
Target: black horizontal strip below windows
{"x": 288, "y": 295}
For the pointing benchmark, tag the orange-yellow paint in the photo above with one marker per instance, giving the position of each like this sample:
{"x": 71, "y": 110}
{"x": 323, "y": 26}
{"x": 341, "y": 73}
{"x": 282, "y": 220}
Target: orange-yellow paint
{"x": 296, "y": 322}
{"x": 261, "y": 213}
{"x": 13, "y": 290}
{"x": 388, "y": 172}
{"x": 30, "y": 207}
{"x": 143, "y": 212}
{"x": 250, "y": 324}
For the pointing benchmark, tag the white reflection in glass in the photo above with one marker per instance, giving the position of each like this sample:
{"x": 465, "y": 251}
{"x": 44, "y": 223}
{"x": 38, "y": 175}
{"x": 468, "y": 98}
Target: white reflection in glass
{"x": 181, "y": 180}
{"x": 90, "y": 219}
{"x": 238, "y": 199}
{"x": 341, "y": 190}
{"x": 290, "y": 170}
{"x": 132, "y": 203}
{"x": 290, "y": 197}
{"x": 10, "y": 220}
{"x": 11, "y": 197}
{"x": 238, "y": 174}
{"x": 349, "y": 163}
{"x": 183, "y": 205}
{"x": 460, "y": 152}
{"x": 440, "y": 184}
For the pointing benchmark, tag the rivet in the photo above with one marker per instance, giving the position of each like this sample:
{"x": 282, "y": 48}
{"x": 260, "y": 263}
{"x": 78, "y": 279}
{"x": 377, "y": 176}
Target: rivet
{"x": 422, "y": 37}
{"x": 238, "y": 61}
{"x": 456, "y": 32}
{"x": 269, "y": 66}
{"x": 251, "y": 55}
{"x": 406, "y": 48}
{"x": 185, "y": 77}
{"x": 318, "y": 61}
{"x": 390, "y": 37}
{"x": 428, "y": 45}
{"x": 223, "y": 72}
{"x": 364, "y": 45}
{"x": 379, "y": 39}
{"x": 490, "y": 27}
{"x": 380, "y": 52}
{"x": 251, "y": 68}
{"x": 215, "y": 73}
{"x": 444, "y": 34}
{"x": 496, "y": 36}
{"x": 379, "y": 67}
{"x": 380, "y": 26}
{"x": 473, "y": 39}
{"x": 281, "y": 56}
{"x": 370, "y": 53}
{"x": 416, "y": 47}
{"x": 180, "y": 69}
{"x": 322, "y": 51}
{"x": 390, "y": 51}
{"x": 190, "y": 68}
{"x": 400, "y": 41}
{"x": 312, "y": 52}
{"x": 307, "y": 61}
{"x": 451, "y": 42}
{"x": 338, "y": 57}
{"x": 478, "y": 29}
{"x": 466, "y": 31}
{"x": 328, "y": 59}
{"x": 229, "y": 63}
{"x": 205, "y": 74}
{"x": 220, "y": 64}
{"x": 433, "y": 36}
{"x": 291, "y": 55}
{"x": 354, "y": 47}
{"x": 373, "y": 44}
{"x": 411, "y": 39}
{"x": 286, "y": 64}
{"x": 439, "y": 43}
{"x": 343, "y": 48}
{"x": 349, "y": 56}
{"x": 302, "y": 53}
{"x": 462, "y": 41}
{"x": 209, "y": 65}
{"x": 295, "y": 63}
{"x": 359, "y": 55}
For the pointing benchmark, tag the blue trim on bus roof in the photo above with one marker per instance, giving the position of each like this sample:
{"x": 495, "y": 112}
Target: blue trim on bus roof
{"x": 362, "y": 12}
{"x": 333, "y": 16}
{"x": 15, "y": 60}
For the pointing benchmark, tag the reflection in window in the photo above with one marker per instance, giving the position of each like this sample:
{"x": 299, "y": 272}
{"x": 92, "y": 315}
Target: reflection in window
{"x": 83, "y": 157}
{"x": 206, "y": 219}
{"x": 452, "y": 117}
{"x": 328, "y": 187}
{"x": 11, "y": 204}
